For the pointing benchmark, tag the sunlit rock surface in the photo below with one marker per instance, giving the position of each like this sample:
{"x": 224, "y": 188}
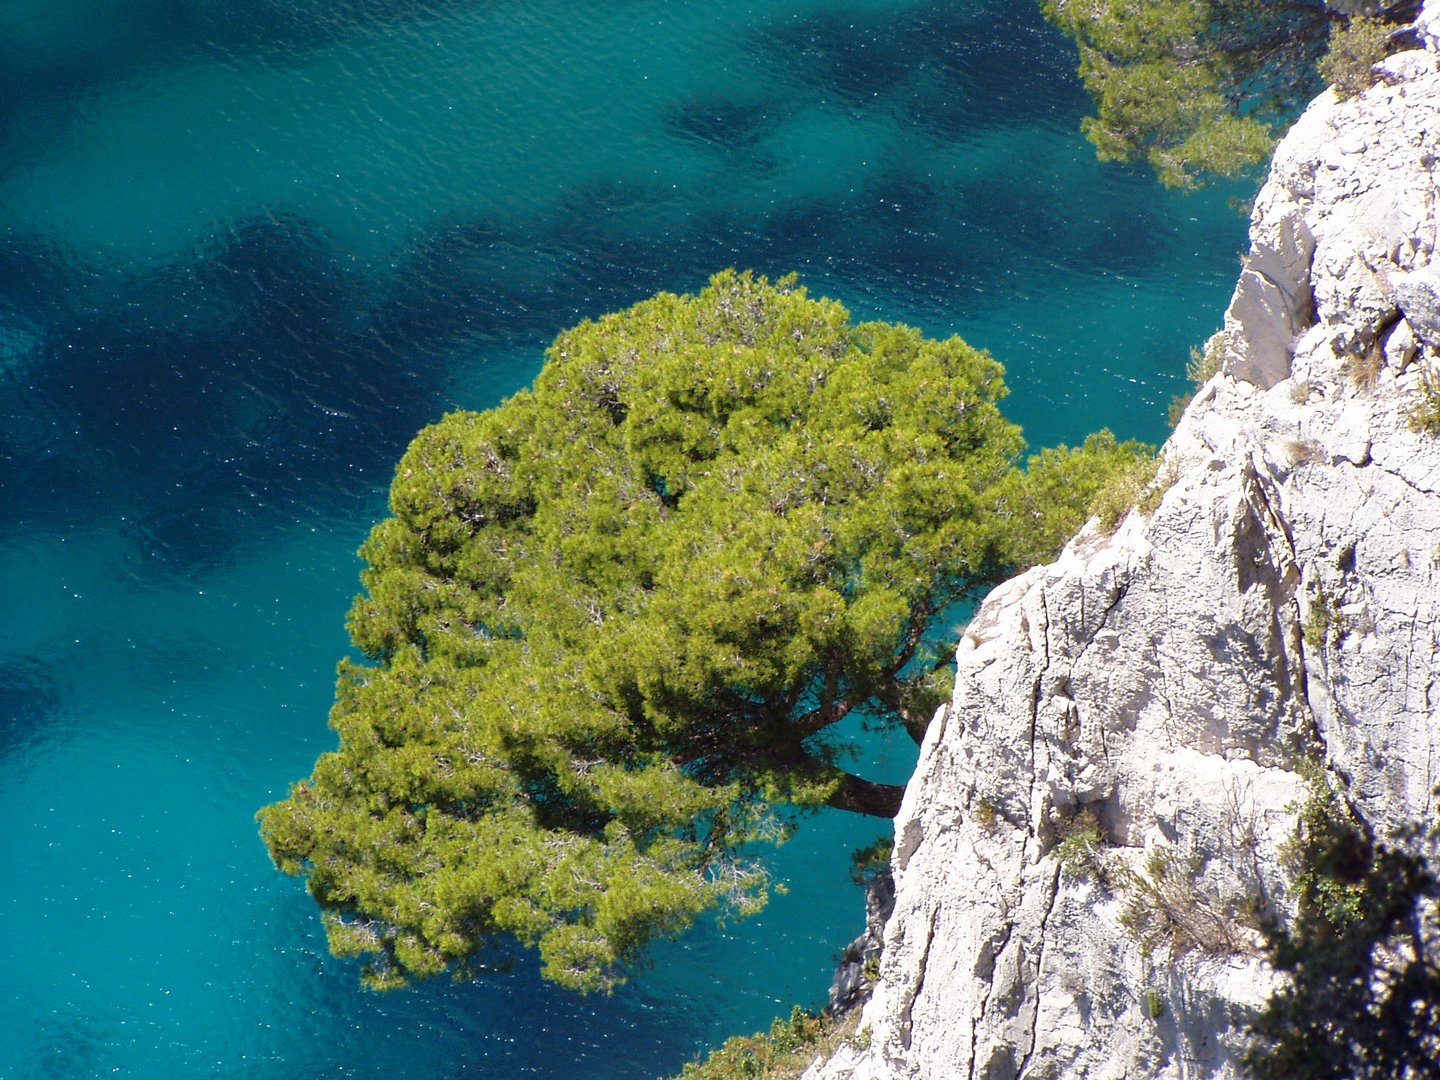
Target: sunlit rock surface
{"x": 1281, "y": 602}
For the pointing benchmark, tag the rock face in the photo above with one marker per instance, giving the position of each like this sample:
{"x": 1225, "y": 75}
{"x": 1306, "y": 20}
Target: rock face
{"x": 1159, "y": 688}
{"x": 854, "y": 979}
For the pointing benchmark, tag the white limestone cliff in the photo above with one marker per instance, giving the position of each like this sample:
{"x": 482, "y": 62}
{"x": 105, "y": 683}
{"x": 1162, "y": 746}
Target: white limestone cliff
{"x": 1163, "y": 679}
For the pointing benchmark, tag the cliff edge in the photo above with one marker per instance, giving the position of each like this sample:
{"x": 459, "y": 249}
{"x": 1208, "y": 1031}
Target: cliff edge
{"x": 1159, "y": 689}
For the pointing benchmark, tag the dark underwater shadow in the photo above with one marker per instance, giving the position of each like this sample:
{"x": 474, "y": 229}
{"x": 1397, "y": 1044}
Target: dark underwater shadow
{"x": 960, "y": 235}
{"x": 69, "y": 1044}
{"x": 30, "y": 699}
{"x": 506, "y": 1021}
{"x": 46, "y": 88}
{"x": 731, "y": 128}
{"x": 212, "y": 400}
{"x": 469, "y": 280}
{"x": 954, "y": 70}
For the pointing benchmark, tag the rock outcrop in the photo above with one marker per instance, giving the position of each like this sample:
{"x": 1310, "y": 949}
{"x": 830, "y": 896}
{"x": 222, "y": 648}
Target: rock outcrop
{"x": 1158, "y": 689}
{"x": 854, "y": 979}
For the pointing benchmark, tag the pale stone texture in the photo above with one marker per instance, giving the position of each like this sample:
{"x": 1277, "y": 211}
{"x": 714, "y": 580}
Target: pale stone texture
{"x": 1161, "y": 678}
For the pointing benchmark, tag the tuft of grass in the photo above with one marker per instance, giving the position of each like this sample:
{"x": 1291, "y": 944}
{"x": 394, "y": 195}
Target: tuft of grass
{"x": 1363, "y": 368}
{"x": 1304, "y": 451}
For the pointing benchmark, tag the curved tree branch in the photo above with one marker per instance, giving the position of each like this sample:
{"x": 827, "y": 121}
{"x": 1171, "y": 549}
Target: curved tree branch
{"x": 817, "y": 720}
{"x": 862, "y": 796}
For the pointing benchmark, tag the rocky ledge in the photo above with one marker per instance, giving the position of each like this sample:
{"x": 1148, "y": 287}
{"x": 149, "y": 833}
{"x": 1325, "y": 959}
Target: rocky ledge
{"x": 1162, "y": 686}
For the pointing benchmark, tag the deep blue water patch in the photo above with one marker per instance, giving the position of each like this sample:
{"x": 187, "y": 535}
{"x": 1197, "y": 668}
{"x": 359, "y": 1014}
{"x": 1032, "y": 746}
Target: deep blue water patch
{"x": 248, "y": 249}
{"x": 30, "y": 697}
{"x": 212, "y": 399}
{"x": 952, "y": 70}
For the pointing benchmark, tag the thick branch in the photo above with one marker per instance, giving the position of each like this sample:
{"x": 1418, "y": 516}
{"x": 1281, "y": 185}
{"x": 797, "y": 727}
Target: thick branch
{"x": 809, "y": 723}
{"x": 919, "y": 622}
{"x": 915, "y": 725}
{"x": 894, "y": 697}
{"x": 861, "y": 796}
{"x": 853, "y": 793}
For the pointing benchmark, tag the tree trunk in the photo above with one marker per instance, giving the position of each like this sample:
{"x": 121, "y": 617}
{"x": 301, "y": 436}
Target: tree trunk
{"x": 861, "y": 796}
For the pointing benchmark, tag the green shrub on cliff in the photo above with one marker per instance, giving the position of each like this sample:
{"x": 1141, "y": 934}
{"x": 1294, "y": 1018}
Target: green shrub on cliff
{"x": 611, "y": 623}
{"x": 1424, "y": 414}
{"x": 782, "y": 1053}
{"x": 1355, "y": 48}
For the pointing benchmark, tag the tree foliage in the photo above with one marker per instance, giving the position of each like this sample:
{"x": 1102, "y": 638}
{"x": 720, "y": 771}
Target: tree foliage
{"x": 782, "y": 1053}
{"x": 1197, "y": 87}
{"x": 1363, "y": 1000}
{"x": 1355, "y": 48}
{"x": 611, "y": 622}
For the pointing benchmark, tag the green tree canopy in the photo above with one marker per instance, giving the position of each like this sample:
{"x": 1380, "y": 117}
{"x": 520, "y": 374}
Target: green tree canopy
{"x": 612, "y": 620}
{"x": 1197, "y": 87}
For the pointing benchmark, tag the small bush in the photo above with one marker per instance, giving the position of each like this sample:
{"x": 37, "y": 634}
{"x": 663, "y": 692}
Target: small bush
{"x": 1138, "y": 485}
{"x": 1153, "y": 1004}
{"x": 1324, "y": 624}
{"x": 986, "y": 815}
{"x": 1164, "y": 907}
{"x": 1166, "y": 474}
{"x": 1424, "y": 415}
{"x": 1355, "y": 48}
{"x": 1205, "y": 361}
{"x": 1078, "y": 847}
{"x": 1178, "y": 404}
{"x": 782, "y": 1053}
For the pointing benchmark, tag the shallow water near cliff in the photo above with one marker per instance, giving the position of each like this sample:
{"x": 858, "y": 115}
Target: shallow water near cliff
{"x": 246, "y": 250}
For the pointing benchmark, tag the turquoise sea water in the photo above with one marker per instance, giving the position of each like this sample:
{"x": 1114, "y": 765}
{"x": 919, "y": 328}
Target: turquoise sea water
{"x": 248, "y": 248}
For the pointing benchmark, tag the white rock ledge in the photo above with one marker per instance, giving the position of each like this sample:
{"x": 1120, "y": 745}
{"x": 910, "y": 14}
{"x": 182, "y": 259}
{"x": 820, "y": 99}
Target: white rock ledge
{"x": 1160, "y": 677}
